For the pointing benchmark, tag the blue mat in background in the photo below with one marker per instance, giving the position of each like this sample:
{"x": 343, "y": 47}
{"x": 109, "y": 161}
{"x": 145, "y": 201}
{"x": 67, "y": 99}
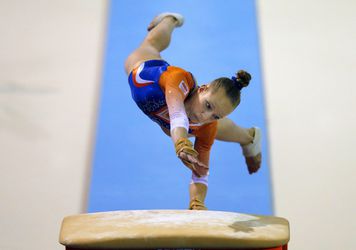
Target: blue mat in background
{"x": 134, "y": 164}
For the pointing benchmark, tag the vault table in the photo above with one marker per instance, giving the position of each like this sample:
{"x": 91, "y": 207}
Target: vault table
{"x": 163, "y": 229}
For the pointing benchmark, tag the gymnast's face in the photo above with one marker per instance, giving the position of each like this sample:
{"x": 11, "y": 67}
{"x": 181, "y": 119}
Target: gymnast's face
{"x": 209, "y": 104}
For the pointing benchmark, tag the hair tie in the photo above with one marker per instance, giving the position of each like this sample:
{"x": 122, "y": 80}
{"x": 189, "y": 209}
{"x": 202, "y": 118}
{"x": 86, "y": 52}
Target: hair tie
{"x": 237, "y": 82}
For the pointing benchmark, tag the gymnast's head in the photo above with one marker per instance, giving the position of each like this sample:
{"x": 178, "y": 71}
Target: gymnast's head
{"x": 217, "y": 99}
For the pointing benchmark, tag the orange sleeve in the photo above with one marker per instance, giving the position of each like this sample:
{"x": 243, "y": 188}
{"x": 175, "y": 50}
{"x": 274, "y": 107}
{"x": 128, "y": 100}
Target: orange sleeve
{"x": 173, "y": 83}
{"x": 205, "y": 137}
{"x": 176, "y": 80}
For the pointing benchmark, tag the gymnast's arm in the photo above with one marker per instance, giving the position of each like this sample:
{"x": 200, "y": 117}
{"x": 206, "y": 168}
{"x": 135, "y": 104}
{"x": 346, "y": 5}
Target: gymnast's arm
{"x": 177, "y": 114}
{"x": 204, "y": 141}
{"x": 179, "y": 128}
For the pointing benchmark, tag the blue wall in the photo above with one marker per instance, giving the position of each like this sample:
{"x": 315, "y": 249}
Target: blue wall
{"x": 134, "y": 164}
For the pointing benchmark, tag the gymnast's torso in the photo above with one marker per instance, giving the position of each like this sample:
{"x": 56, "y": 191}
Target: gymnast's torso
{"x": 149, "y": 83}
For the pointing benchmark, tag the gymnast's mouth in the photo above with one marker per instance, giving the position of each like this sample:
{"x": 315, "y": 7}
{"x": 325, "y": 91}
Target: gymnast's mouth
{"x": 194, "y": 118}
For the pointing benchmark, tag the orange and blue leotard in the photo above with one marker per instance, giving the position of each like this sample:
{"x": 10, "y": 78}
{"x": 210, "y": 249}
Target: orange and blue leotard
{"x": 151, "y": 81}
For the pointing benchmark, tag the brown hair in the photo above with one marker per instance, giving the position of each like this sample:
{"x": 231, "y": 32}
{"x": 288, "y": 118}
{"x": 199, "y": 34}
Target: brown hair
{"x": 233, "y": 86}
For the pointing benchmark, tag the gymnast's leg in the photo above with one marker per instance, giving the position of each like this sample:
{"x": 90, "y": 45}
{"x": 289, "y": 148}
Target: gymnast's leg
{"x": 157, "y": 39}
{"x": 230, "y": 132}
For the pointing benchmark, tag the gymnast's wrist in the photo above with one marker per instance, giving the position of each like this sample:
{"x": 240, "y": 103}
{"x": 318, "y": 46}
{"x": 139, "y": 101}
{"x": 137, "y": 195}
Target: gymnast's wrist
{"x": 183, "y": 144}
{"x": 178, "y": 133}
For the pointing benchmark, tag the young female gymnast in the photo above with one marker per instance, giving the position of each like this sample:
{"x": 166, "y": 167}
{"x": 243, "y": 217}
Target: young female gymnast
{"x": 171, "y": 97}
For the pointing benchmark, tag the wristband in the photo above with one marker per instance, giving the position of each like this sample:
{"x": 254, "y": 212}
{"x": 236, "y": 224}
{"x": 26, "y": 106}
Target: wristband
{"x": 186, "y": 146}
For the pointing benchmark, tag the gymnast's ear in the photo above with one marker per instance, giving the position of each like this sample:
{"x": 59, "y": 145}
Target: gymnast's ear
{"x": 202, "y": 88}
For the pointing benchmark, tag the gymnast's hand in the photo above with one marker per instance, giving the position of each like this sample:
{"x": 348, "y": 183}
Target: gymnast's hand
{"x": 189, "y": 156}
{"x": 197, "y": 167}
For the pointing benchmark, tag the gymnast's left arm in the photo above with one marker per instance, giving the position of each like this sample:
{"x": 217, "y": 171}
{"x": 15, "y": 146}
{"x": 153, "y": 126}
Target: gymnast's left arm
{"x": 203, "y": 156}
{"x": 204, "y": 140}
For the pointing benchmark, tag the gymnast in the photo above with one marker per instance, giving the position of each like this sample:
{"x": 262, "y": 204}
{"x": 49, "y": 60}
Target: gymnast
{"x": 170, "y": 96}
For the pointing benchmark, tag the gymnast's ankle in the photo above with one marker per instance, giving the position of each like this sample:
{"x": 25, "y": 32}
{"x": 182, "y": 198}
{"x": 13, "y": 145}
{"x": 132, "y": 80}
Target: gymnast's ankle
{"x": 251, "y": 134}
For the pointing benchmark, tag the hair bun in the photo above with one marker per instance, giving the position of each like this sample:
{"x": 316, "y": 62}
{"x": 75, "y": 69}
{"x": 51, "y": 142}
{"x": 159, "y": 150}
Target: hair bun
{"x": 242, "y": 79}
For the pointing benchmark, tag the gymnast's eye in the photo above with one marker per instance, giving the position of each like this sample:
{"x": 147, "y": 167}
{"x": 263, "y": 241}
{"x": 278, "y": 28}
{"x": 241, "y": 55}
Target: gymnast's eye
{"x": 208, "y": 106}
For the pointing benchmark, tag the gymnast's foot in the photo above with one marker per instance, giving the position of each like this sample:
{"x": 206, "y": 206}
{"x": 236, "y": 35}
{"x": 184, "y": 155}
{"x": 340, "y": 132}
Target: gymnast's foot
{"x": 252, "y": 151}
{"x": 197, "y": 193}
{"x": 177, "y": 17}
{"x": 196, "y": 204}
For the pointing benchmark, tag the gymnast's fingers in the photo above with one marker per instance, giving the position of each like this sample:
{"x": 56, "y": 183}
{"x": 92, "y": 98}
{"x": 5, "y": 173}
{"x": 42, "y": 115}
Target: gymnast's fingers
{"x": 187, "y": 157}
{"x": 191, "y": 167}
{"x": 200, "y": 164}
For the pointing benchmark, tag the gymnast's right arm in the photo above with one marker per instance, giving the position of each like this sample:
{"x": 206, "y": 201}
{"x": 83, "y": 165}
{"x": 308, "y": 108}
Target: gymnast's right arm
{"x": 179, "y": 129}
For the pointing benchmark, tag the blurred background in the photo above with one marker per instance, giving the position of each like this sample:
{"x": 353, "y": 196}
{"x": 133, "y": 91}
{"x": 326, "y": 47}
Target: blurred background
{"x": 59, "y": 144}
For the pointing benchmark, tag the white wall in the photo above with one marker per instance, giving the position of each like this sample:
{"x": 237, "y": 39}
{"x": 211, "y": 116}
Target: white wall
{"x": 51, "y": 59}
{"x": 309, "y": 63}
{"x": 50, "y": 69}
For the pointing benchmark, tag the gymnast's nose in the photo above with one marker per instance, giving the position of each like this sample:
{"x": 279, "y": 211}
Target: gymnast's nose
{"x": 205, "y": 116}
